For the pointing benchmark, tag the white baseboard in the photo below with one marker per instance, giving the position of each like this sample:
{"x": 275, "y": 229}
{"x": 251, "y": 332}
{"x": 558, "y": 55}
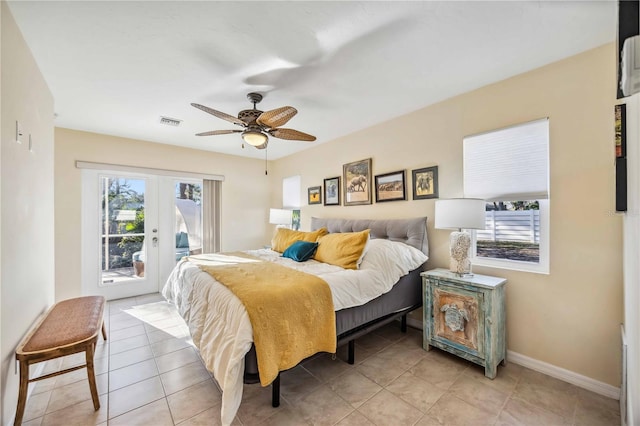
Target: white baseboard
{"x": 568, "y": 376}
{"x": 579, "y": 380}
{"x": 631, "y": 420}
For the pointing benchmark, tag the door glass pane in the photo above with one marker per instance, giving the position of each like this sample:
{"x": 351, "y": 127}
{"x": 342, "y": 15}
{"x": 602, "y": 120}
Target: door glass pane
{"x": 188, "y": 223}
{"x": 122, "y": 229}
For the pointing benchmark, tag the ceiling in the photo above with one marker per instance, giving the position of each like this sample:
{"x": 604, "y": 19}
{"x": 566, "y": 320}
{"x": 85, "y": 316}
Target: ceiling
{"x": 116, "y": 67}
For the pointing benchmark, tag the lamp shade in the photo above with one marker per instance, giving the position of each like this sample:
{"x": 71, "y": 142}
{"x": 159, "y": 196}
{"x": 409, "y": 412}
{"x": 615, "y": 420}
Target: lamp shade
{"x": 280, "y": 216}
{"x": 460, "y": 213}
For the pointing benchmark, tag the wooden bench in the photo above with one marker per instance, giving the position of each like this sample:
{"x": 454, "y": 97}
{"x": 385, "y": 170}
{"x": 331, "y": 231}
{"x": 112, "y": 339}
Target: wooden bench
{"x": 70, "y": 326}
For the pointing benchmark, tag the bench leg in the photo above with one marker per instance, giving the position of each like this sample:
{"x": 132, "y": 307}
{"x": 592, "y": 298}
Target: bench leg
{"x": 22, "y": 393}
{"x": 104, "y": 332}
{"x": 91, "y": 375}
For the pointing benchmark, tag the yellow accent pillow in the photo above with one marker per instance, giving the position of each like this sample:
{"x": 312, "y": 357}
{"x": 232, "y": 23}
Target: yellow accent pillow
{"x": 285, "y": 237}
{"x": 342, "y": 249}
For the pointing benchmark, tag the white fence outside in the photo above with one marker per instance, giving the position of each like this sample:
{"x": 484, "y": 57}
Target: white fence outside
{"x": 519, "y": 226}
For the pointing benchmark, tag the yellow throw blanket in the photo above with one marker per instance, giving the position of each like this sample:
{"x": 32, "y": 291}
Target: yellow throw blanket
{"x": 291, "y": 312}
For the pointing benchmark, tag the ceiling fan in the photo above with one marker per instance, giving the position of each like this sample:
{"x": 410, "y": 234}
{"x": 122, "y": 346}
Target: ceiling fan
{"x": 257, "y": 124}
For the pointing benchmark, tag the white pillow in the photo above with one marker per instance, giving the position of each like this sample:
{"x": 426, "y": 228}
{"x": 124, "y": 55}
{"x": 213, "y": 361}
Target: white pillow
{"x": 364, "y": 251}
{"x": 384, "y": 254}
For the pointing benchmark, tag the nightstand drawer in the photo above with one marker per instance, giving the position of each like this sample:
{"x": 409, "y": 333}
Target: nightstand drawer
{"x": 458, "y": 318}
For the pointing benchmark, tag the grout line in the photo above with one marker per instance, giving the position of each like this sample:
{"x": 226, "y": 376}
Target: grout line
{"x": 164, "y": 390}
{"x": 108, "y": 341}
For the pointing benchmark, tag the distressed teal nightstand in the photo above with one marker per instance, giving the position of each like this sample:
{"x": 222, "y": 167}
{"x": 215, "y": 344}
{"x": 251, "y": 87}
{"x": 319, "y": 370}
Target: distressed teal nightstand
{"x": 465, "y": 316}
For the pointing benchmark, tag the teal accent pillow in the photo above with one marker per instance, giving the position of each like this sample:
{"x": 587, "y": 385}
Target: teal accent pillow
{"x": 300, "y": 251}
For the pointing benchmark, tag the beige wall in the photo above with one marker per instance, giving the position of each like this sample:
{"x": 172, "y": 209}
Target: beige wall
{"x": 245, "y": 192}
{"x": 569, "y": 318}
{"x": 26, "y": 189}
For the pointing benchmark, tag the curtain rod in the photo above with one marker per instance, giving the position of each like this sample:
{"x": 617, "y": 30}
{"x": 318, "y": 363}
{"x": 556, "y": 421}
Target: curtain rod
{"x": 145, "y": 170}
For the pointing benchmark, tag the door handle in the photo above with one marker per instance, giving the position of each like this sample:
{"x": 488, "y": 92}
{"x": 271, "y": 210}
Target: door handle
{"x": 155, "y": 241}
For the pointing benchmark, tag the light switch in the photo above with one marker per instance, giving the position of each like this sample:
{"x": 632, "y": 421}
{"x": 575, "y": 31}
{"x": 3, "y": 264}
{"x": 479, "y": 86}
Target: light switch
{"x": 18, "y": 132}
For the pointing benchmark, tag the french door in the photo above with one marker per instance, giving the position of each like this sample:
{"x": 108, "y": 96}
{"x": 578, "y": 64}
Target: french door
{"x": 135, "y": 228}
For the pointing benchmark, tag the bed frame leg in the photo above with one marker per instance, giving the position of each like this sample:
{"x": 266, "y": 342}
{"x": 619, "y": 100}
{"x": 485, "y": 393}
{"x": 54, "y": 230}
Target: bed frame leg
{"x": 275, "y": 392}
{"x": 352, "y": 352}
{"x": 403, "y": 323}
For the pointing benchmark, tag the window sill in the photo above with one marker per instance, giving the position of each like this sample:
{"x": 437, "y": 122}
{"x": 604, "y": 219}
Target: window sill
{"x": 514, "y": 265}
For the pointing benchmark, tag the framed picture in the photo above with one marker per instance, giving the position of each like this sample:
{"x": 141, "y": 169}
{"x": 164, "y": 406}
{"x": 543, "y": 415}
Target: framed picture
{"x": 425, "y": 183}
{"x": 356, "y": 182}
{"x": 332, "y": 191}
{"x": 621, "y": 130}
{"x": 315, "y": 195}
{"x": 391, "y": 186}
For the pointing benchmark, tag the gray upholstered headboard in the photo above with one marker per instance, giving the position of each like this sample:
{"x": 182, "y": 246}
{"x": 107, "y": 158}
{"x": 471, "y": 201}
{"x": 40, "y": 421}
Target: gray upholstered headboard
{"x": 409, "y": 231}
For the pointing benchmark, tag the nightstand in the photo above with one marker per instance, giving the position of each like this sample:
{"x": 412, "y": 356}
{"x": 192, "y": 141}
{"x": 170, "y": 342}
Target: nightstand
{"x": 465, "y": 316}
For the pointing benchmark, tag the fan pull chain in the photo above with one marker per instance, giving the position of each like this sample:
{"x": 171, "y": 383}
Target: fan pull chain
{"x": 265, "y": 161}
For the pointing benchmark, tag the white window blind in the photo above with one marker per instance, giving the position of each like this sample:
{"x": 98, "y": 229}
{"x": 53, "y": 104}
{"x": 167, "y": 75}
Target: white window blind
{"x": 291, "y": 192}
{"x": 508, "y": 164}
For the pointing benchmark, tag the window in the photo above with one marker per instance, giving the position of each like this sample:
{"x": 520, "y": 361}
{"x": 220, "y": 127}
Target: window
{"x": 509, "y": 168}
{"x": 291, "y": 199}
{"x": 291, "y": 192}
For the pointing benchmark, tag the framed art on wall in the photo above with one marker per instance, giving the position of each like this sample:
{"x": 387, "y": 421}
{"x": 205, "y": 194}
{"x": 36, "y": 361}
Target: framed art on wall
{"x": 620, "y": 128}
{"x": 391, "y": 186}
{"x": 620, "y": 112}
{"x": 315, "y": 195}
{"x": 332, "y": 191}
{"x": 356, "y": 181}
{"x": 425, "y": 183}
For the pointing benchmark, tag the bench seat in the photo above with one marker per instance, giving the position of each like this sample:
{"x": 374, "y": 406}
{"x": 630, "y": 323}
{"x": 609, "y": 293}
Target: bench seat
{"x": 68, "y": 327}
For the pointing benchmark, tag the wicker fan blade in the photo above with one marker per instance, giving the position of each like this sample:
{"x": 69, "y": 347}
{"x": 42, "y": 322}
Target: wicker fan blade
{"x": 291, "y": 135}
{"x": 219, "y": 114}
{"x": 276, "y": 117}
{"x": 218, "y": 132}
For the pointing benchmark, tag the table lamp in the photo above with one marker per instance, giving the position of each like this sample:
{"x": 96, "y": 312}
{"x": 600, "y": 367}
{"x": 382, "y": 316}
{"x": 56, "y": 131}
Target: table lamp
{"x": 280, "y": 217}
{"x": 460, "y": 213}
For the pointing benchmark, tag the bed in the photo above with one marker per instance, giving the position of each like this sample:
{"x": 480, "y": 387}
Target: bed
{"x": 227, "y": 348}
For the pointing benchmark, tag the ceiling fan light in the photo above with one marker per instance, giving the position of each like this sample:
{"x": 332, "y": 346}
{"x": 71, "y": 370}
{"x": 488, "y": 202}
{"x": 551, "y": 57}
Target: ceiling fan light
{"x": 254, "y": 138}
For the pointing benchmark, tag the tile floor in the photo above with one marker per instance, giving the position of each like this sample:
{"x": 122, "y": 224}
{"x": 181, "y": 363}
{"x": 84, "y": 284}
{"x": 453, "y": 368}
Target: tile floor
{"x": 148, "y": 373}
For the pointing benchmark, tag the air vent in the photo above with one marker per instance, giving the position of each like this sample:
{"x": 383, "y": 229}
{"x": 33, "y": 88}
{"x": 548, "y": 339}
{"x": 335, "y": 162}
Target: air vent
{"x": 170, "y": 121}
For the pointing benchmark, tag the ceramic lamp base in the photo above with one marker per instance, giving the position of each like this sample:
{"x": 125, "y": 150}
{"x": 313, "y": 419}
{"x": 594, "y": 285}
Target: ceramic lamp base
{"x": 459, "y": 243}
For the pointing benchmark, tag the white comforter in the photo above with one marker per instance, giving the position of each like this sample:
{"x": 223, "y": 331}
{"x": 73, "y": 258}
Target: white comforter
{"x": 219, "y": 323}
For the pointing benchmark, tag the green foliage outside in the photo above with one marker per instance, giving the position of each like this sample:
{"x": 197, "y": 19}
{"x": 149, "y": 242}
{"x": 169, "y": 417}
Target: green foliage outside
{"x": 130, "y": 245}
{"x": 121, "y": 196}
